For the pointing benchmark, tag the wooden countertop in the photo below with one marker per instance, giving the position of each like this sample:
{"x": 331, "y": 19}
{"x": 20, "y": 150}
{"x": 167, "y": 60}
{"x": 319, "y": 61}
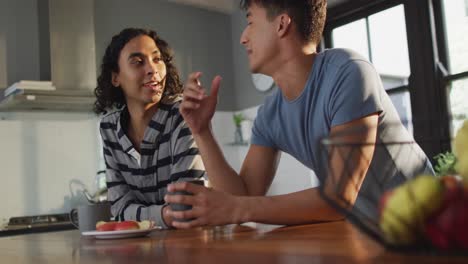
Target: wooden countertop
{"x": 337, "y": 242}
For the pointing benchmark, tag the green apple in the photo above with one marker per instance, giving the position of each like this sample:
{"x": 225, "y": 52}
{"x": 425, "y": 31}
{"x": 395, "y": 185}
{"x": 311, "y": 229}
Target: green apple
{"x": 461, "y": 151}
{"x": 393, "y": 225}
{"x": 462, "y": 168}
{"x": 461, "y": 141}
{"x": 407, "y": 208}
{"x": 145, "y": 224}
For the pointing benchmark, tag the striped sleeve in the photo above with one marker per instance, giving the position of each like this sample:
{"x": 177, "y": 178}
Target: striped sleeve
{"x": 187, "y": 162}
{"x": 124, "y": 203}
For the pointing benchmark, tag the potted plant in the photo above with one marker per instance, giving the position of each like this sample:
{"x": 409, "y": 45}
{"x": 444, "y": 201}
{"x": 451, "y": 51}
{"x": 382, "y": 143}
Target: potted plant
{"x": 238, "y": 137}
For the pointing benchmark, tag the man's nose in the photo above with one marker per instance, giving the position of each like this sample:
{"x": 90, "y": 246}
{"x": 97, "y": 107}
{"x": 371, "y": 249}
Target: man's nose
{"x": 243, "y": 38}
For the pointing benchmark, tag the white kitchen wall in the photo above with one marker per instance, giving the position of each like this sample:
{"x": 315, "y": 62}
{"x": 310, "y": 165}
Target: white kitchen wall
{"x": 291, "y": 175}
{"x": 45, "y": 160}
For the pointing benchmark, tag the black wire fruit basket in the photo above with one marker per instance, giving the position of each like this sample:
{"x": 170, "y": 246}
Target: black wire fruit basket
{"x": 401, "y": 224}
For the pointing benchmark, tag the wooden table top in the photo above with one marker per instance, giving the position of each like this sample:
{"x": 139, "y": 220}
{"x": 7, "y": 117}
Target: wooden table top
{"x": 336, "y": 242}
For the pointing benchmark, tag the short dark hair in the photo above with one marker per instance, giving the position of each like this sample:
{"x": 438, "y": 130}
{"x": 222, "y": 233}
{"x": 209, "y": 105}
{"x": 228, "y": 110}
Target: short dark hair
{"x": 308, "y": 15}
{"x": 108, "y": 96}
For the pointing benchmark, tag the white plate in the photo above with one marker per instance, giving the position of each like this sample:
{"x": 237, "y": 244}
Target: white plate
{"x": 119, "y": 234}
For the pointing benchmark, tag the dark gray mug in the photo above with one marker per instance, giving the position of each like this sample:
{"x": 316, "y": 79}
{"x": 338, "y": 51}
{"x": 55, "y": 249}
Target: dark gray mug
{"x": 184, "y": 207}
{"x": 86, "y": 216}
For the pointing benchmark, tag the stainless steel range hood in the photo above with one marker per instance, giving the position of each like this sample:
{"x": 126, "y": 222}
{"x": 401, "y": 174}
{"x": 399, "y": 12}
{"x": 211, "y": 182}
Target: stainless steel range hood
{"x": 72, "y": 61}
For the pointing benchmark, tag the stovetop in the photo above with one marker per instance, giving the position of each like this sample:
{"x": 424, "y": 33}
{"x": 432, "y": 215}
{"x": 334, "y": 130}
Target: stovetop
{"x": 37, "y": 223}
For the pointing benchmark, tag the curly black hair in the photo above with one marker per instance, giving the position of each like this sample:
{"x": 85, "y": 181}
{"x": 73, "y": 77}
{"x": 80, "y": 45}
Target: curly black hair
{"x": 108, "y": 96}
{"x": 309, "y": 15}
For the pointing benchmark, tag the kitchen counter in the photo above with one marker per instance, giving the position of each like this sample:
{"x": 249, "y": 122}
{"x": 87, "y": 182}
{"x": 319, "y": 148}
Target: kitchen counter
{"x": 336, "y": 242}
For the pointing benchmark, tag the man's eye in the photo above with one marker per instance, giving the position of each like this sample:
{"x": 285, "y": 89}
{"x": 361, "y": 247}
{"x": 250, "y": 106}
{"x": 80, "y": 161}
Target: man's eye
{"x": 157, "y": 59}
{"x": 137, "y": 62}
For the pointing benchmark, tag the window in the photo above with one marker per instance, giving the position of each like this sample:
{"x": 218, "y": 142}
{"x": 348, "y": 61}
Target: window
{"x": 466, "y": 8}
{"x": 456, "y": 34}
{"x": 423, "y": 33}
{"x": 389, "y": 46}
{"x": 456, "y": 72}
{"x": 381, "y": 38}
{"x": 401, "y": 101}
{"x": 458, "y": 91}
{"x": 352, "y": 36}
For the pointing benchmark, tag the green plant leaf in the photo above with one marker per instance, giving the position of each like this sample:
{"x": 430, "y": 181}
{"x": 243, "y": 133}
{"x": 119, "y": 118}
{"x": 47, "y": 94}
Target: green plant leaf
{"x": 238, "y": 118}
{"x": 445, "y": 163}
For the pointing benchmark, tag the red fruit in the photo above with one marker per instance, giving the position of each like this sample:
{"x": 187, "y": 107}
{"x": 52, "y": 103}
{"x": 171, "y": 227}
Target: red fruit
{"x": 126, "y": 225}
{"x": 447, "y": 228}
{"x": 439, "y": 228}
{"x": 105, "y": 226}
{"x": 383, "y": 200}
{"x": 453, "y": 189}
{"x": 461, "y": 221}
{"x": 451, "y": 181}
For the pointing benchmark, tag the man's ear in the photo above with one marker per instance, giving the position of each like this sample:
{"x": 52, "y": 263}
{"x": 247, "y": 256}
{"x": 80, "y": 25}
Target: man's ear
{"x": 115, "y": 79}
{"x": 284, "y": 24}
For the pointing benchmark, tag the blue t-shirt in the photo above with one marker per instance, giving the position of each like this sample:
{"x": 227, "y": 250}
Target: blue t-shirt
{"x": 342, "y": 86}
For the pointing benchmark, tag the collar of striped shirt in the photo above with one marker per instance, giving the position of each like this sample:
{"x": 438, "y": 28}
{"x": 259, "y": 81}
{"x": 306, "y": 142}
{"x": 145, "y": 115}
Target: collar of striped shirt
{"x": 154, "y": 129}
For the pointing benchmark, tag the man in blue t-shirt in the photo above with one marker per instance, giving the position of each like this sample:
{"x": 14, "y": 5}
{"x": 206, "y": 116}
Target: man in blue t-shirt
{"x": 335, "y": 94}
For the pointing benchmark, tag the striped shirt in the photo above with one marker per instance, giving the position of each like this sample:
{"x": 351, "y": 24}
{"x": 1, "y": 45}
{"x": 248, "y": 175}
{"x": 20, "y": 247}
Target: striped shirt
{"x": 137, "y": 181}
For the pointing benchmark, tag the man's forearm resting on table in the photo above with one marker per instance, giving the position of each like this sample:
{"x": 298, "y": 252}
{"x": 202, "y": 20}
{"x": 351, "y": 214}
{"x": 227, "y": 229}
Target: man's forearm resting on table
{"x": 301, "y": 207}
{"x": 222, "y": 177}
{"x": 296, "y": 208}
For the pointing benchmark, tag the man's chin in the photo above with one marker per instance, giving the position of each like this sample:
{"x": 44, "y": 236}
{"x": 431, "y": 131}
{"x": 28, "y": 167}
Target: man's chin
{"x": 254, "y": 70}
